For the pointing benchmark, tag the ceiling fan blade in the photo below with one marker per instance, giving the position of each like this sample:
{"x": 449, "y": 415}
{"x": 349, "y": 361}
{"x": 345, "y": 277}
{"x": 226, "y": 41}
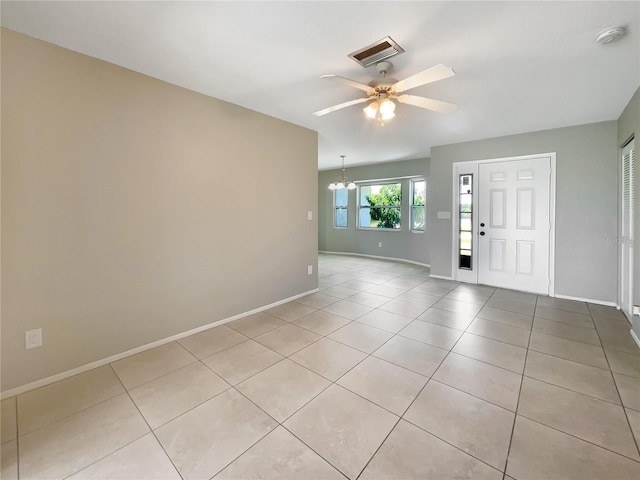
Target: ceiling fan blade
{"x": 351, "y": 83}
{"x": 428, "y": 103}
{"x": 430, "y": 75}
{"x": 319, "y": 113}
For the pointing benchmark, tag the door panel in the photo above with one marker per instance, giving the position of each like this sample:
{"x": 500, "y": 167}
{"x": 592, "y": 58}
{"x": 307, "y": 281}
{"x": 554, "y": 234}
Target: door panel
{"x": 513, "y": 204}
{"x": 627, "y": 240}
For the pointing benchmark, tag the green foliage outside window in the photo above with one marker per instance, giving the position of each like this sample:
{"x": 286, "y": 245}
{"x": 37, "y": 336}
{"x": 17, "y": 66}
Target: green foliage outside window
{"x": 386, "y": 215}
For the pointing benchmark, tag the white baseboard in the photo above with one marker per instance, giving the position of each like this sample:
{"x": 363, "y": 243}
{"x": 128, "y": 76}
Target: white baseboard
{"x": 105, "y": 361}
{"x": 377, "y": 256}
{"x": 635, "y": 338}
{"x": 587, "y": 300}
{"x": 442, "y": 277}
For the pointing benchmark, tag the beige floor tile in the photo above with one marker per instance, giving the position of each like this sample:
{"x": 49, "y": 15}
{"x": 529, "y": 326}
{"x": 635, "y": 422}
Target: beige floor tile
{"x": 8, "y": 419}
{"x": 242, "y": 361}
{"x": 432, "y": 334}
{"x": 483, "y": 290}
{"x": 361, "y": 337}
{"x": 467, "y": 297}
{"x": 493, "y": 384}
{"x": 9, "y": 460}
{"x": 578, "y": 377}
{"x": 412, "y": 354}
{"x": 204, "y": 440}
{"x": 283, "y": 388}
{"x": 343, "y": 428}
{"x": 513, "y": 296}
{"x": 347, "y": 309}
{"x": 212, "y": 341}
{"x": 143, "y": 459}
{"x": 568, "y": 349}
{"x": 499, "y": 331}
{"x": 618, "y": 339}
{"x": 328, "y": 358}
{"x": 602, "y": 311}
{"x": 358, "y": 285}
{"x": 629, "y": 388}
{"x": 624, "y": 363}
{"x": 593, "y": 420}
{"x": 491, "y": 351}
{"x": 47, "y": 404}
{"x": 430, "y": 288}
{"x": 412, "y": 453}
{"x": 565, "y": 330}
{"x": 385, "y": 384}
{"x": 442, "y": 410}
{"x": 458, "y": 307}
{"x": 419, "y": 298}
{"x": 406, "y": 309}
{"x": 446, "y": 318}
{"x": 539, "y": 452}
{"x": 278, "y": 456}
{"x": 634, "y": 421}
{"x": 573, "y": 318}
{"x": 338, "y": 291}
{"x": 386, "y": 291}
{"x": 523, "y": 308}
{"x": 508, "y": 318}
{"x": 321, "y": 322}
{"x": 317, "y": 300}
{"x": 287, "y": 339}
{"x": 563, "y": 304}
{"x": 406, "y": 281}
{"x": 165, "y": 398}
{"x": 391, "y": 322}
{"x": 605, "y": 323}
{"x": 369, "y": 299}
{"x": 146, "y": 366}
{"x": 256, "y": 324}
{"x": 68, "y": 445}
{"x": 290, "y": 311}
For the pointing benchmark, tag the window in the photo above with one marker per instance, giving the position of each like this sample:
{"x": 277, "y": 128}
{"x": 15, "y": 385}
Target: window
{"x": 340, "y": 203}
{"x": 418, "y": 195}
{"x": 379, "y": 206}
{"x": 465, "y": 220}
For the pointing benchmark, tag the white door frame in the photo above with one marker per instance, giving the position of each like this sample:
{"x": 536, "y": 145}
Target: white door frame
{"x": 472, "y": 167}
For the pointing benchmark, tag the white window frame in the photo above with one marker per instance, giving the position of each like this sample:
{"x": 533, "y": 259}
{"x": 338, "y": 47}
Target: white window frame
{"x": 392, "y": 181}
{"x": 412, "y": 184}
{"x": 336, "y": 207}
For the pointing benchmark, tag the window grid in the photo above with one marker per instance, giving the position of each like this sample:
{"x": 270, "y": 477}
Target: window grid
{"x": 418, "y": 197}
{"x": 341, "y": 208}
{"x": 379, "y": 206}
{"x": 465, "y": 222}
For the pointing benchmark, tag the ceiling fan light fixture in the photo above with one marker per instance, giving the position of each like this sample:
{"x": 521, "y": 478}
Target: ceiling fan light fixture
{"x": 387, "y": 116}
{"x": 387, "y": 107}
{"x": 371, "y": 109}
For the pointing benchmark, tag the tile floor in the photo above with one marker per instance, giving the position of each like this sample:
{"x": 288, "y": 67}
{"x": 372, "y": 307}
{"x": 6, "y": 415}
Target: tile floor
{"x": 385, "y": 373}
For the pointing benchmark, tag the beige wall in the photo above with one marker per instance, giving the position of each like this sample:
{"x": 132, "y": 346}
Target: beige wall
{"x": 133, "y": 210}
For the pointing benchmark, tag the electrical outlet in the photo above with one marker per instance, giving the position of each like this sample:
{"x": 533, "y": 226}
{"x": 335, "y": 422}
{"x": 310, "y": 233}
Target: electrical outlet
{"x": 33, "y": 338}
{"x": 310, "y": 270}
{"x": 379, "y": 244}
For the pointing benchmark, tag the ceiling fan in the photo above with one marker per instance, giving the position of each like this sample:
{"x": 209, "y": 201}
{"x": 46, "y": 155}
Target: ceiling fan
{"x": 382, "y": 91}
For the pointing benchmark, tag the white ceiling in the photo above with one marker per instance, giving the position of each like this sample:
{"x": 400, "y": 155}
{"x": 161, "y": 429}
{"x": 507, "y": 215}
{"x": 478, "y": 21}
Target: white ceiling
{"x": 520, "y": 66}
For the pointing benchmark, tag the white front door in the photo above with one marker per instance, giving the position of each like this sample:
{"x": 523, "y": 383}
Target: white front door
{"x": 514, "y": 224}
{"x": 626, "y": 230}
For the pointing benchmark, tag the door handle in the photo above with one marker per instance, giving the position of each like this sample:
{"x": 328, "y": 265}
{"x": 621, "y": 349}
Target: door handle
{"x": 482, "y": 224}
{"x": 482, "y": 234}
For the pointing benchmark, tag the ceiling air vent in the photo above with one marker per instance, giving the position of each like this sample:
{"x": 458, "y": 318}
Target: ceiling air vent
{"x": 376, "y": 52}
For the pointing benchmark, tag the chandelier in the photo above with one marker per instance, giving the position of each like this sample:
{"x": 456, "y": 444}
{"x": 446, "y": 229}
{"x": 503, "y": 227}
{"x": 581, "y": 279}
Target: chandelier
{"x": 342, "y": 181}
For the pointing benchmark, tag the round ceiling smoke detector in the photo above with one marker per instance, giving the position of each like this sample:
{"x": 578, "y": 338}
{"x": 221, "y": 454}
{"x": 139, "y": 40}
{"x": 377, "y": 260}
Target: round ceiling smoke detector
{"x": 611, "y": 34}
